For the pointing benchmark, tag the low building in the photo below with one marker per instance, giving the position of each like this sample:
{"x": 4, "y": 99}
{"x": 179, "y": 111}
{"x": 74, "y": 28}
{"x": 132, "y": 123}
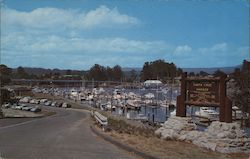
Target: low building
{"x": 22, "y": 91}
{"x": 152, "y": 83}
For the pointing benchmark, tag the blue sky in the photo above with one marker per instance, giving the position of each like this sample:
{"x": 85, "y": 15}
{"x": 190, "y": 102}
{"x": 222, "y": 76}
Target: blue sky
{"x": 77, "y": 34}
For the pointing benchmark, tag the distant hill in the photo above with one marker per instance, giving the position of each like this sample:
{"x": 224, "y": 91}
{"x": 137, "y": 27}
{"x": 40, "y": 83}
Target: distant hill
{"x": 195, "y": 70}
{"x": 212, "y": 69}
{"x": 40, "y": 71}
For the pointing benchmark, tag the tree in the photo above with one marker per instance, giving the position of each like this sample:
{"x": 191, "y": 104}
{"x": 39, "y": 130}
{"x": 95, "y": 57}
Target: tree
{"x": 33, "y": 76}
{"x": 179, "y": 72}
{"x": 109, "y": 74}
{"x": 47, "y": 75}
{"x": 191, "y": 74}
{"x": 5, "y": 74}
{"x": 97, "y": 72}
{"x": 158, "y": 69}
{"x": 218, "y": 73}
{"x": 56, "y": 75}
{"x": 132, "y": 76}
{"x": 21, "y": 73}
{"x": 68, "y": 72}
{"x": 203, "y": 73}
{"x": 146, "y": 72}
{"x": 236, "y": 72}
{"x": 117, "y": 72}
{"x": 242, "y": 93}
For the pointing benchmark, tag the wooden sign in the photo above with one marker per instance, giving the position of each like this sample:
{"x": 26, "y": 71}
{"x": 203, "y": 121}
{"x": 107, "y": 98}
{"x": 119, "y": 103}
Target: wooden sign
{"x": 210, "y": 92}
{"x": 202, "y": 92}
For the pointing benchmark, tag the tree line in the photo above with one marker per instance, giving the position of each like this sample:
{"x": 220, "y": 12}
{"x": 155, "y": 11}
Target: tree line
{"x": 158, "y": 69}
{"x": 241, "y": 87}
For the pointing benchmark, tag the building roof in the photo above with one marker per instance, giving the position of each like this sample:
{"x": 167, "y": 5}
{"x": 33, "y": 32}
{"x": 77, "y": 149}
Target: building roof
{"x": 152, "y": 82}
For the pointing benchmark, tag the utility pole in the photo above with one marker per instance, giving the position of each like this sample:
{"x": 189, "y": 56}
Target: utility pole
{"x": 171, "y": 91}
{"x": 52, "y": 87}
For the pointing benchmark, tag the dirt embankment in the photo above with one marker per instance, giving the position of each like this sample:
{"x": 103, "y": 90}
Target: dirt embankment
{"x": 144, "y": 140}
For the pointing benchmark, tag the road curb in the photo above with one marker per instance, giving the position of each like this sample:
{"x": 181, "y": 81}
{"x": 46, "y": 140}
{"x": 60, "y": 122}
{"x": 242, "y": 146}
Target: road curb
{"x": 120, "y": 145}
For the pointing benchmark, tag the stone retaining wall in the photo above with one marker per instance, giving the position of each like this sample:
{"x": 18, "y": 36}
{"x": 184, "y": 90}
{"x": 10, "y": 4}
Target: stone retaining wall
{"x": 219, "y": 136}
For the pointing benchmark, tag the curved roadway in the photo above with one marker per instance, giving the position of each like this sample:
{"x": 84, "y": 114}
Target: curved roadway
{"x": 64, "y": 135}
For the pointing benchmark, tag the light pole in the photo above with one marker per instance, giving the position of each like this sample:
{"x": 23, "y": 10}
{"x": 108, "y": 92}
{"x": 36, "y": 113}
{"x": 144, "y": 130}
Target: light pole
{"x": 52, "y": 86}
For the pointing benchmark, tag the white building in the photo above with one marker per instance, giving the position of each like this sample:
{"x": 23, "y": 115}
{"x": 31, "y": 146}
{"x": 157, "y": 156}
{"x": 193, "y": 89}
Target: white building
{"x": 152, "y": 83}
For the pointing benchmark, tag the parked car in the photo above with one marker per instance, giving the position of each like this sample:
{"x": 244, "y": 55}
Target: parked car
{"x": 13, "y": 106}
{"x": 25, "y": 99}
{"x": 27, "y": 108}
{"x": 43, "y": 100}
{"x": 35, "y": 109}
{"x": 34, "y": 101}
{"x": 19, "y": 107}
{"x": 53, "y": 104}
{"x": 59, "y": 104}
{"x": 66, "y": 105}
{"x": 48, "y": 103}
{"x": 6, "y": 105}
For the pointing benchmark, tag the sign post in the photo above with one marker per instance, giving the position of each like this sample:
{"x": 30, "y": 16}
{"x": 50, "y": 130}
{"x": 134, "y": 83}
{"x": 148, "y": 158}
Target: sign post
{"x": 181, "y": 107}
{"x": 222, "y": 98}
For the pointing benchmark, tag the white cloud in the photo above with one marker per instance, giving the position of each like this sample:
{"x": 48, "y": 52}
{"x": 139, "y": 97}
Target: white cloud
{"x": 46, "y": 18}
{"x": 181, "y": 50}
{"x": 57, "y": 44}
{"x": 220, "y": 47}
{"x": 106, "y": 16}
{"x": 57, "y": 51}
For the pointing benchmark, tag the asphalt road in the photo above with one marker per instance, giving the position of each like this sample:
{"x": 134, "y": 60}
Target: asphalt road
{"x": 64, "y": 135}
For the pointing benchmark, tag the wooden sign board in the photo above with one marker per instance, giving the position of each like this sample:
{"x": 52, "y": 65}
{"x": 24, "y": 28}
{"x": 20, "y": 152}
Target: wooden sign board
{"x": 210, "y": 92}
{"x": 202, "y": 92}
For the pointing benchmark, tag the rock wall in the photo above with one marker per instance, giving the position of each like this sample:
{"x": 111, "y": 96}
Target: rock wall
{"x": 219, "y": 136}
{"x": 175, "y": 127}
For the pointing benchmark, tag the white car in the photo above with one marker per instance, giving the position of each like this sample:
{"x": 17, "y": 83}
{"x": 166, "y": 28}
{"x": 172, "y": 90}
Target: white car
{"x": 6, "y": 105}
{"x": 35, "y": 109}
{"x": 25, "y": 100}
{"x": 34, "y": 101}
{"x": 53, "y": 104}
{"x": 43, "y": 100}
{"x": 66, "y": 105}
{"x": 18, "y": 107}
{"x": 48, "y": 103}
